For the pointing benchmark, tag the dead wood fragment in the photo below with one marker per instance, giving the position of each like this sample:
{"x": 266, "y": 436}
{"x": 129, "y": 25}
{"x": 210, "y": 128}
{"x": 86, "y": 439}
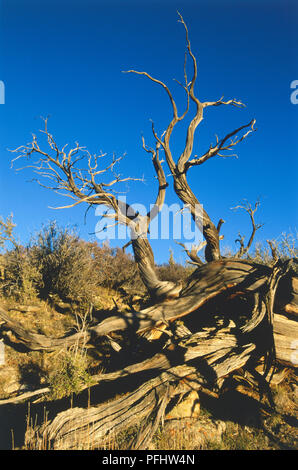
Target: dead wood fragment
{"x": 207, "y": 355}
{"x": 101, "y": 424}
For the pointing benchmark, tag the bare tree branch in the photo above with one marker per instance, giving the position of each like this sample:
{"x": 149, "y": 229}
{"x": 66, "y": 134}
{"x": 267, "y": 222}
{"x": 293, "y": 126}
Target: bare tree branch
{"x": 161, "y": 180}
{"x": 87, "y": 182}
{"x": 233, "y": 102}
{"x": 192, "y": 253}
{"x": 251, "y": 212}
{"x": 222, "y": 148}
{"x": 219, "y": 225}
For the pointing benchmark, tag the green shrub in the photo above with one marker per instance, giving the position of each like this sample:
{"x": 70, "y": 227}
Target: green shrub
{"x": 65, "y": 264}
{"x": 69, "y": 374}
{"x": 116, "y": 269}
{"x": 21, "y": 278}
{"x": 172, "y": 271}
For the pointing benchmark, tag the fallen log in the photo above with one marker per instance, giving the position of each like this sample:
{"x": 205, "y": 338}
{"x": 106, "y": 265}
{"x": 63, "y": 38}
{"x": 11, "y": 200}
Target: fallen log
{"x": 205, "y": 354}
{"x": 100, "y": 425}
{"x": 286, "y": 340}
{"x": 208, "y": 281}
{"x": 25, "y": 396}
{"x": 232, "y": 277}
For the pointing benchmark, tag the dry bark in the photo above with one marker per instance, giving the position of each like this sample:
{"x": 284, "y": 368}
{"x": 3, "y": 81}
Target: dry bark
{"x": 186, "y": 159}
{"x": 205, "y": 354}
{"x": 202, "y": 358}
{"x": 232, "y": 277}
{"x": 99, "y": 425}
{"x": 266, "y": 328}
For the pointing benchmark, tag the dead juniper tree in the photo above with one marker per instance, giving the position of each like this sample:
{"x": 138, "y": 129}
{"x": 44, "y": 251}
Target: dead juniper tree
{"x": 236, "y": 313}
{"x": 188, "y": 159}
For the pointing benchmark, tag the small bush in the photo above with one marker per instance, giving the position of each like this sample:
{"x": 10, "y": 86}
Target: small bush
{"x": 21, "y": 278}
{"x": 64, "y": 263}
{"x": 175, "y": 272}
{"x": 58, "y": 264}
{"x": 69, "y": 374}
{"x": 115, "y": 268}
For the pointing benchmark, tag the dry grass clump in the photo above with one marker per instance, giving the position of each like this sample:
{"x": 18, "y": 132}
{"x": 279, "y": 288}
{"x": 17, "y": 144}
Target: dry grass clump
{"x": 69, "y": 373}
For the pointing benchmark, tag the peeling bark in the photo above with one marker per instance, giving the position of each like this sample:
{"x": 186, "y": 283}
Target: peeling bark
{"x": 100, "y": 425}
{"x": 232, "y": 277}
{"x": 202, "y": 356}
{"x": 144, "y": 258}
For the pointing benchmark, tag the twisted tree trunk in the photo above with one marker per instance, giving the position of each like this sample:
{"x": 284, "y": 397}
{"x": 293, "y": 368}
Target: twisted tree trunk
{"x": 100, "y": 425}
{"x": 227, "y": 307}
{"x": 199, "y": 215}
{"x": 144, "y": 258}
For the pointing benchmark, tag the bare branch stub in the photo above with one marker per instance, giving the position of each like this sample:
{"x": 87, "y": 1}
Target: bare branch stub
{"x": 223, "y": 147}
{"x": 192, "y": 253}
{"x": 219, "y": 224}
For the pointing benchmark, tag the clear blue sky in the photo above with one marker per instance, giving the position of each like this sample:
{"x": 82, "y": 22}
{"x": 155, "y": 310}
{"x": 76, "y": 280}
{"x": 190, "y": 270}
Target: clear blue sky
{"x": 65, "y": 58}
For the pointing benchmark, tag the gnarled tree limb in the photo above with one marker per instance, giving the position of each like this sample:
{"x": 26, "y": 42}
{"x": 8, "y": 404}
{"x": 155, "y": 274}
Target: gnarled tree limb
{"x": 89, "y": 183}
{"x": 179, "y": 169}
